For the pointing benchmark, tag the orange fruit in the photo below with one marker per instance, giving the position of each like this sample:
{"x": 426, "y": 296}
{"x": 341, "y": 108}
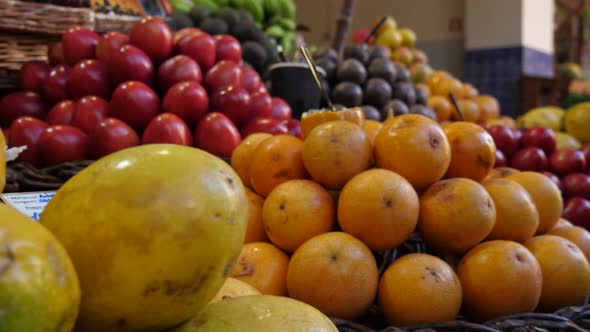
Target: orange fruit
{"x": 415, "y": 147}
{"x": 500, "y": 172}
{"x": 470, "y": 110}
{"x": 336, "y": 151}
{"x": 562, "y": 223}
{"x": 419, "y": 288}
{"x": 336, "y": 273}
{"x": 499, "y": 278}
{"x": 469, "y": 91}
{"x": 441, "y": 106}
{"x": 488, "y": 107}
{"x": 379, "y": 207}
{"x": 372, "y": 128}
{"x": 545, "y": 195}
{"x": 473, "y": 151}
{"x": 255, "y": 230}
{"x": 296, "y": 211}
{"x": 566, "y": 272}
{"x": 241, "y": 158}
{"x": 517, "y": 218}
{"x": 262, "y": 266}
{"x": 505, "y": 121}
{"x": 578, "y": 235}
{"x": 456, "y": 215}
{"x": 446, "y": 86}
{"x": 436, "y": 78}
{"x": 276, "y": 160}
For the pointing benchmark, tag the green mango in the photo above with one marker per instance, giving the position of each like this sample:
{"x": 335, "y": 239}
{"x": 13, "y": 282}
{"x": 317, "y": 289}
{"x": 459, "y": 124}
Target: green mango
{"x": 287, "y": 24}
{"x": 287, "y": 8}
{"x": 275, "y": 31}
{"x": 212, "y": 5}
{"x": 255, "y": 8}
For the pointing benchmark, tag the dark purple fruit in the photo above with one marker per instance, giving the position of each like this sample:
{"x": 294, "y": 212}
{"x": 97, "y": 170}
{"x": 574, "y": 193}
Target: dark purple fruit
{"x": 348, "y": 94}
{"x": 421, "y": 96}
{"x": 378, "y": 52}
{"x": 383, "y": 68}
{"x": 396, "y": 106}
{"x": 329, "y": 66}
{"x": 403, "y": 74}
{"x": 404, "y": 92}
{"x": 423, "y": 110}
{"x": 371, "y": 113}
{"x": 377, "y": 92}
{"x": 351, "y": 70}
{"x": 357, "y": 51}
{"x": 329, "y": 53}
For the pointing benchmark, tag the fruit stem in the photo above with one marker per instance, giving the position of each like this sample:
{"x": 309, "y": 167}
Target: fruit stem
{"x": 314, "y": 72}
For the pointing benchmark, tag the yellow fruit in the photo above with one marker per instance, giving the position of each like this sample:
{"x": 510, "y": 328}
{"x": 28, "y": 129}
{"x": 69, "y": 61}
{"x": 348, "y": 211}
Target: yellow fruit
{"x": 545, "y": 195}
{"x": 419, "y": 288}
{"x": 499, "y": 278}
{"x": 578, "y": 235}
{"x": 234, "y": 288}
{"x": 258, "y": 313}
{"x": 2, "y": 161}
{"x": 390, "y": 37}
{"x": 566, "y": 272}
{"x": 550, "y": 117}
{"x": 576, "y": 122}
{"x": 566, "y": 141}
{"x": 408, "y": 37}
{"x": 517, "y": 218}
{"x": 39, "y": 289}
{"x": 152, "y": 231}
{"x": 456, "y": 215}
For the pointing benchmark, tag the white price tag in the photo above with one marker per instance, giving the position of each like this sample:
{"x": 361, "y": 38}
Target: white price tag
{"x": 30, "y": 204}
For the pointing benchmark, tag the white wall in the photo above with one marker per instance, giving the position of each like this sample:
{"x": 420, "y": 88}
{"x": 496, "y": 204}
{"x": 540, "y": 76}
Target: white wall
{"x": 537, "y": 28}
{"x": 485, "y": 30}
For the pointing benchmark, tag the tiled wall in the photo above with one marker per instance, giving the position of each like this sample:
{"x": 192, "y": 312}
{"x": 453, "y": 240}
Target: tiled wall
{"x": 498, "y": 72}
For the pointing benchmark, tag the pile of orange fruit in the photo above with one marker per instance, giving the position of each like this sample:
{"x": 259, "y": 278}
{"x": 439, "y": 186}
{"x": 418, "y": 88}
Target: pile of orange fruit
{"x": 476, "y": 107}
{"x": 321, "y": 206}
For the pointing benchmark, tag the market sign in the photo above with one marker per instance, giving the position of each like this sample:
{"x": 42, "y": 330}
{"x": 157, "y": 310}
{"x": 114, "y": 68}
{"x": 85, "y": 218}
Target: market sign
{"x": 30, "y": 204}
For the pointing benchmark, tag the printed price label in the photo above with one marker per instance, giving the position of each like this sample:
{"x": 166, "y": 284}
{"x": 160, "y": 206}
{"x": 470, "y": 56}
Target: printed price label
{"x": 30, "y": 204}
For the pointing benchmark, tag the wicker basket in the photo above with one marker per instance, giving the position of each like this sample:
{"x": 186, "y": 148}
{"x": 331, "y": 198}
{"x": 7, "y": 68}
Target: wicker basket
{"x": 16, "y": 49}
{"x": 113, "y": 22}
{"x": 31, "y": 17}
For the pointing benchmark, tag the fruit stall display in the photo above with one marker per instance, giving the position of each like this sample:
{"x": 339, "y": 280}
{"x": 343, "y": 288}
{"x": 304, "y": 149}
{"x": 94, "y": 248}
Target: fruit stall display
{"x": 103, "y": 93}
{"x": 248, "y": 19}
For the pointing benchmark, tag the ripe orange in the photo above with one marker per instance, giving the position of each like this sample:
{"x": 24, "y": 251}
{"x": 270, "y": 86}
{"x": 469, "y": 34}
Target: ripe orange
{"x": 578, "y": 235}
{"x": 499, "y": 278}
{"x": 378, "y": 207}
{"x": 500, "y": 172}
{"x": 488, "y": 106}
{"x": 562, "y": 223}
{"x": 296, "y": 211}
{"x": 545, "y": 195}
{"x": 441, "y": 106}
{"x": 255, "y": 231}
{"x": 468, "y": 91}
{"x": 336, "y": 151}
{"x": 566, "y": 272}
{"x": 446, "y": 86}
{"x": 336, "y": 273}
{"x": 264, "y": 267}
{"x": 456, "y": 215}
{"x": 276, "y": 160}
{"x": 502, "y": 121}
{"x": 415, "y": 147}
{"x": 517, "y": 218}
{"x": 241, "y": 158}
{"x": 473, "y": 151}
{"x": 419, "y": 288}
{"x": 470, "y": 110}
{"x": 372, "y": 128}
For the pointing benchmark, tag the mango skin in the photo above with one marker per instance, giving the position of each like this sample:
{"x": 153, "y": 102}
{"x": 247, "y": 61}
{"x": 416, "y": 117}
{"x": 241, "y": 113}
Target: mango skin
{"x": 258, "y": 313}
{"x": 153, "y": 232}
{"x": 39, "y": 289}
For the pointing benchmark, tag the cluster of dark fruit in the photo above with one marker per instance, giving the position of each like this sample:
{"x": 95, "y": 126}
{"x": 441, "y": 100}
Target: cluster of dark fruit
{"x": 258, "y": 49}
{"x": 366, "y": 77}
